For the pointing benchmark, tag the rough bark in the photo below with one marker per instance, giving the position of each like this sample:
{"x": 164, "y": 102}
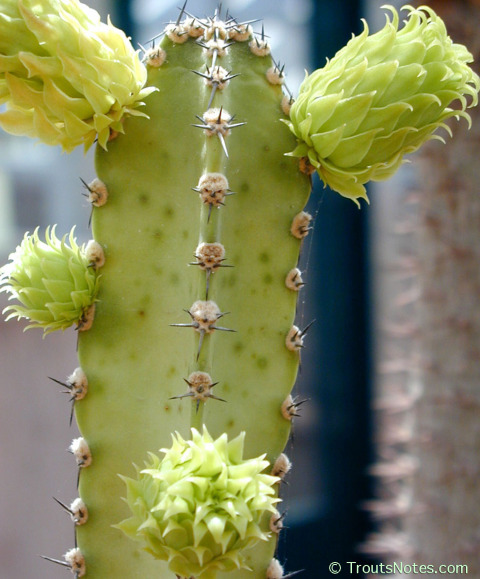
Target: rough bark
{"x": 428, "y": 449}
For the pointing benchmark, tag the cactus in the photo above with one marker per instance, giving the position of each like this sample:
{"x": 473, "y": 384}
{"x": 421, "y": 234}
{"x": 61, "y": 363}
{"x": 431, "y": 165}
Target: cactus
{"x": 192, "y": 280}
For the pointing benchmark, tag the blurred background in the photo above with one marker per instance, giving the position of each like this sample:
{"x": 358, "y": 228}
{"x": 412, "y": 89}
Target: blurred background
{"x": 361, "y": 268}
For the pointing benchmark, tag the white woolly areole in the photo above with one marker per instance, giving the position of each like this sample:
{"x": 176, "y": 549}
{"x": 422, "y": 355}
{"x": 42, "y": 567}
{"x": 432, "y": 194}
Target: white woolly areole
{"x": 210, "y": 255}
{"x": 86, "y": 321}
{"x": 294, "y": 339}
{"x": 213, "y": 182}
{"x": 240, "y": 33}
{"x": 176, "y": 33}
{"x": 288, "y": 408}
{"x": 76, "y": 561}
{"x": 81, "y": 451}
{"x": 274, "y": 75}
{"x": 200, "y": 379}
{"x": 294, "y": 280}
{"x": 95, "y": 254}
{"x": 217, "y": 121}
{"x": 217, "y": 29}
{"x": 205, "y": 314}
{"x": 287, "y": 102}
{"x": 276, "y": 523}
{"x": 274, "y": 570}
{"x": 301, "y": 225}
{"x": 155, "y": 57}
{"x": 200, "y": 385}
{"x": 218, "y": 76}
{"x": 78, "y": 383}
{"x": 191, "y": 24}
{"x": 259, "y": 47}
{"x": 78, "y": 511}
{"x": 97, "y": 193}
{"x": 213, "y": 188}
{"x": 281, "y": 466}
{"x": 217, "y": 45}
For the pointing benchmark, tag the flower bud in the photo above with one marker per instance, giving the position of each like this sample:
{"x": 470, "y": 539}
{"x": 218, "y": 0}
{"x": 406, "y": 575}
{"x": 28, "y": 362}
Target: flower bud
{"x": 200, "y": 506}
{"x": 53, "y": 282}
{"x": 382, "y": 96}
{"x": 66, "y": 77}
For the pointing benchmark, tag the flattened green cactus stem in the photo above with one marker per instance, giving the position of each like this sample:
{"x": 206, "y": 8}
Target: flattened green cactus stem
{"x": 194, "y": 194}
{"x": 198, "y": 220}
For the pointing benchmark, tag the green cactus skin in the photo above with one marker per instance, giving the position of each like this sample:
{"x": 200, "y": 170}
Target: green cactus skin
{"x": 135, "y": 360}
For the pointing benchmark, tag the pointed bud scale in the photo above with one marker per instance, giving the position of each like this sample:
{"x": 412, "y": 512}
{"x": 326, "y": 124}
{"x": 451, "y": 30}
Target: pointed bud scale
{"x": 382, "y": 96}
{"x": 66, "y": 77}
{"x": 53, "y": 282}
{"x": 200, "y": 505}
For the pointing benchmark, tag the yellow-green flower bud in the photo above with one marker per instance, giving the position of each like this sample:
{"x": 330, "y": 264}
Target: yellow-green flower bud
{"x": 381, "y": 96}
{"x": 54, "y": 283}
{"x": 66, "y": 77}
{"x": 201, "y": 505}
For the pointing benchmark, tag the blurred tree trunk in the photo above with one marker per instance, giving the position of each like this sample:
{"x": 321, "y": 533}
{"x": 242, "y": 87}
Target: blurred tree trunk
{"x": 428, "y": 371}
{"x": 447, "y": 528}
